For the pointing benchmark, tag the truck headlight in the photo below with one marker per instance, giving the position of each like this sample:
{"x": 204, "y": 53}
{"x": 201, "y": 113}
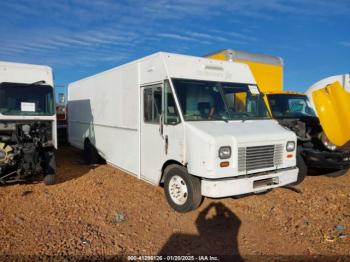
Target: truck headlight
{"x": 328, "y": 144}
{"x": 290, "y": 146}
{"x": 225, "y": 152}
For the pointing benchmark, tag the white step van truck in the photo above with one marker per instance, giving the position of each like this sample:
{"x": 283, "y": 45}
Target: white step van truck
{"x": 197, "y": 126}
{"x": 27, "y": 123}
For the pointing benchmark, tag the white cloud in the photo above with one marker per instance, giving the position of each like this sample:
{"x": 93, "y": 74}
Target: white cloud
{"x": 177, "y": 37}
{"x": 73, "y": 32}
{"x": 346, "y": 44}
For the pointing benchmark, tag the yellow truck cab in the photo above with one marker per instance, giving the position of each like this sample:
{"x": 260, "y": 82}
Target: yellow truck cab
{"x": 315, "y": 117}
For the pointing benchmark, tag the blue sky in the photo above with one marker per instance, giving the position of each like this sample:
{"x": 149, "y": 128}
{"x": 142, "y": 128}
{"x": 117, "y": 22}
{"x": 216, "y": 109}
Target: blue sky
{"x": 79, "y": 38}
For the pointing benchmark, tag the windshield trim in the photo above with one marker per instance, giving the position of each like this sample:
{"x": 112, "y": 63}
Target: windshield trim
{"x": 301, "y": 96}
{"x": 228, "y": 120}
{"x": 268, "y": 117}
{"x": 30, "y": 114}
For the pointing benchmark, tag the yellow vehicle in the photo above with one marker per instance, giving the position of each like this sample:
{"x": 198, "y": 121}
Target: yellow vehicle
{"x": 320, "y": 118}
{"x": 267, "y": 70}
{"x": 331, "y": 98}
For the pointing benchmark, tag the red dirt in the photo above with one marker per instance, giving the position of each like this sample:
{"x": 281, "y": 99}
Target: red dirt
{"x": 76, "y": 217}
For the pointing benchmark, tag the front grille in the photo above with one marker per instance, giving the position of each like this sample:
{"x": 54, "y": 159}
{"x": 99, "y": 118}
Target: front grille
{"x": 259, "y": 157}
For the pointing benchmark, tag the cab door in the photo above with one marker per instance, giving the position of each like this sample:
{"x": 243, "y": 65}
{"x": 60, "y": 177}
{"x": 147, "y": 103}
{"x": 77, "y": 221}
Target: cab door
{"x": 152, "y": 140}
{"x": 162, "y": 133}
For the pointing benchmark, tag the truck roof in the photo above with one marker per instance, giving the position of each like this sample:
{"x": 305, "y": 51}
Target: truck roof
{"x": 14, "y": 64}
{"x": 234, "y": 55}
{"x": 25, "y": 73}
{"x": 183, "y": 65}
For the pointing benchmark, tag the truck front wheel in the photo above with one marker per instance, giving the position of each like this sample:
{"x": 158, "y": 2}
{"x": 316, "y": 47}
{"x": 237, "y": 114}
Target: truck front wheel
{"x": 49, "y": 168}
{"x": 303, "y": 169}
{"x": 182, "y": 190}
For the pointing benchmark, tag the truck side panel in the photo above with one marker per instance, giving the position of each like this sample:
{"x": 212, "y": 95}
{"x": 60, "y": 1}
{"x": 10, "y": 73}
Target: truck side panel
{"x": 105, "y": 109}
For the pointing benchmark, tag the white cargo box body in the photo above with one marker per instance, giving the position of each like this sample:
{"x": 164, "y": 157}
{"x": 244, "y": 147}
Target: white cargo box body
{"x": 28, "y": 74}
{"x": 108, "y": 110}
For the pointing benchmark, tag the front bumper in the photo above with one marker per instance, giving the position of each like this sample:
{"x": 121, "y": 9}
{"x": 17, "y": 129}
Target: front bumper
{"x": 248, "y": 184}
{"x": 326, "y": 160}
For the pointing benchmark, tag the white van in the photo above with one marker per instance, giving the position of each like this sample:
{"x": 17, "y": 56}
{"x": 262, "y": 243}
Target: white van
{"x": 28, "y": 134}
{"x": 198, "y": 126}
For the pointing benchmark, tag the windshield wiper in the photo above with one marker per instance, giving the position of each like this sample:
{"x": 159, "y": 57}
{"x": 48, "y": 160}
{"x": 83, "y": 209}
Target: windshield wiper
{"x": 228, "y": 115}
{"x": 245, "y": 116}
{"x": 225, "y": 120}
{"x": 41, "y": 82}
{"x": 5, "y": 111}
{"x": 222, "y": 119}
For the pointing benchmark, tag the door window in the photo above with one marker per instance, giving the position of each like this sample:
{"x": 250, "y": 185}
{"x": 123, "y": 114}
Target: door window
{"x": 171, "y": 114}
{"x": 152, "y": 104}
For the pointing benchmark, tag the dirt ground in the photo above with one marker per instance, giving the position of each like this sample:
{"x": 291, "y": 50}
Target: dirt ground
{"x": 104, "y": 212}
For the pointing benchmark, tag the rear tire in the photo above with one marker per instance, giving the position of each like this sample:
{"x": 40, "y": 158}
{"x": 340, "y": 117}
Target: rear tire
{"x": 91, "y": 156}
{"x": 182, "y": 190}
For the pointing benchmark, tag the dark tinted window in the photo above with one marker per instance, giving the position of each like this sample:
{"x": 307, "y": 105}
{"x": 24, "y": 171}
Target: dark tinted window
{"x": 171, "y": 114}
{"x": 290, "y": 105}
{"x": 26, "y": 99}
{"x": 208, "y": 100}
{"x": 147, "y": 104}
{"x": 152, "y": 104}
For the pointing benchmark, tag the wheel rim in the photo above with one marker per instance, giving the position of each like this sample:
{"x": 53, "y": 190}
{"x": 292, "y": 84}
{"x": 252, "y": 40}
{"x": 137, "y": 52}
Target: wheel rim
{"x": 178, "y": 190}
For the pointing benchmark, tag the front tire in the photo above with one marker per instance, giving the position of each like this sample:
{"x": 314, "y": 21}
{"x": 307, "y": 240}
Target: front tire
{"x": 49, "y": 168}
{"x": 49, "y": 180}
{"x": 182, "y": 190}
{"x": 303, "y": 169}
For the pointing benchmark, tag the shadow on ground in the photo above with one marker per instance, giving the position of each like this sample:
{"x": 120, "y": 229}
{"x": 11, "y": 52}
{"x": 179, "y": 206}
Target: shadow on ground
{"x": 218, "y": 234}
{"x": 70, "y": 164}
{"x": 328, "y": 173}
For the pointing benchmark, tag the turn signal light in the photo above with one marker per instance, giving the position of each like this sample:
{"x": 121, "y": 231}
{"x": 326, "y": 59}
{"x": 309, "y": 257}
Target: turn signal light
{"x": 224, "y": 164}
{"x": 289, "y": 155}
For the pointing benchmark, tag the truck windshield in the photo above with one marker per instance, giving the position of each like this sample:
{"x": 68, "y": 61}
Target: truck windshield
{"x": 290, "y": 106}
{"x": 26, "y": 99}
{"x": 208, "y": 100}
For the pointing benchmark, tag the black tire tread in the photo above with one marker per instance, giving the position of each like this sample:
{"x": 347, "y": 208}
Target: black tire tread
{"x": 49, "y": 168}
{"x": 303, "y": 169}
{"x": 194, "y": 184}
{"x": 91, "y": 156}
{"x": 50, "y": 179}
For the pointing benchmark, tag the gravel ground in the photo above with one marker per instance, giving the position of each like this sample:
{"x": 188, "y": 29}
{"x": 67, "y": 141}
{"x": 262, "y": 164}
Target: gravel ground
{"x": 104, "y": 212}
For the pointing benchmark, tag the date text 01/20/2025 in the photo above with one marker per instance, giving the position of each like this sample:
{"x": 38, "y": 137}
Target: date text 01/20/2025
{"x": 173, "y": 258}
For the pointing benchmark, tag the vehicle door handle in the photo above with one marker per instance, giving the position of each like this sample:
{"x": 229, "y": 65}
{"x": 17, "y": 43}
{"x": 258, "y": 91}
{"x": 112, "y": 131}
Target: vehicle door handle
{"x": 166, "y": 144}
{"x": 161, "y": 125}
